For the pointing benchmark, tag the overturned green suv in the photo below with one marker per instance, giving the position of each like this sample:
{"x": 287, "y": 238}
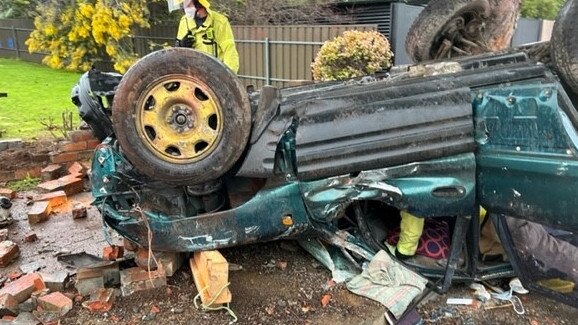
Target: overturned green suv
{"x": 193, "y": 159}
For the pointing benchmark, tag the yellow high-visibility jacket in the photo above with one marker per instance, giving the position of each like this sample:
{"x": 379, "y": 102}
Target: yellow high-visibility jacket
{"x": 214, "y": 37}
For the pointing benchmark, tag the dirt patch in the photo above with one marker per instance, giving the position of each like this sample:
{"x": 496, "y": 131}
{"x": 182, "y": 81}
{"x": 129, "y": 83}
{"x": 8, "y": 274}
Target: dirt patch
{"x": 29, "y": 155}
{"x": 262, "y": 294}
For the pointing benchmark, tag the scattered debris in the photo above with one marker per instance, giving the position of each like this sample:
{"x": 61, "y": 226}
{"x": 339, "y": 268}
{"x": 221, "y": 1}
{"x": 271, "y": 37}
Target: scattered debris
{"x": 136, "y": 279}
{"x": 459, "y": 301}
{"x": 8, "y": 193}
{"x": 55, "y": 302}
{"x": 101, "y": 301}
{"x": 22, "y": 288}
{"x": 39, "y": 212}
{"x": 8, "y": 305}
{"x": 281, "y": 265}
{"x": 325, "y": 299}
{"x": 55, "y": 281}
{"x": 112, "y": 253}
{"x": 129, "y": 245}
{"x": 31, "y": 267}
{"x": 79, "y": 212}
{"x": 55, "y": 199}
{"x": 79, "y": 260}
{"x": 5, "y": 214}
{"x": 9, "y": 251}
{"x": 170, "y": 262}
{"x": 30, "y": 237}
{"x": 52, "y": 172}
{"x": 480, "y": 292}
{"x": 102, "y": 275}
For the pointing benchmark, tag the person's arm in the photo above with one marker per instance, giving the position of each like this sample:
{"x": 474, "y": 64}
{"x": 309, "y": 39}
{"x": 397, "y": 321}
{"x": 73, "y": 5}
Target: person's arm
{"x": 226, "y": 43}
{"x": 184, "y": 35}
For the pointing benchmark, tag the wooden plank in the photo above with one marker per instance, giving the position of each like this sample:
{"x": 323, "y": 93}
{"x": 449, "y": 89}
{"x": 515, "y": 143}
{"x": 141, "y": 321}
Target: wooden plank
{"x": 211, "y": 274}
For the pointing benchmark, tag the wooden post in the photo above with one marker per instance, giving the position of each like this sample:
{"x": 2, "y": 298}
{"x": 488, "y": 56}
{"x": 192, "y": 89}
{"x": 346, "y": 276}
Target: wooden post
{"x": 211, "y": 274}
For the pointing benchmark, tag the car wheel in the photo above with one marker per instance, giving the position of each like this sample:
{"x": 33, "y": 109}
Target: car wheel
{"x": 564, "y": 44}
{"x": 449, "y": 28}
{"x": 181, "y": 117}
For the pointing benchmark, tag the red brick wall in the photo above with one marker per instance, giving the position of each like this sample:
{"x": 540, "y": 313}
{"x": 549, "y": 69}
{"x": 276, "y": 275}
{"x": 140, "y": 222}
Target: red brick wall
{"x": 78, "y": 147}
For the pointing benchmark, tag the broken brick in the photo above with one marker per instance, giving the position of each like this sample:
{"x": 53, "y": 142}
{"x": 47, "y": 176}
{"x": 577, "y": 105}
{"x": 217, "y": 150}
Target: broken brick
{"x": 112, "y": 253}
{"x": 39, "y": 212}
{"x": 136, "y": 279}
{"x": 80, "y": 135}
{"x": 79, "y": 212}
{"x": 101, "y": 301}
{"x": 26, "y": 318}
{"x": 87, "y": 286}
{"x": 14, "y": 275}
{"x": 22, "y": 288}
{"x": 77, "y": 169}
{"x": 27, "y": 306}
{"x": 170, "y": 262}
{"x": 70, "y": 184}
{"x": 56, "y": 302}
{"x": 89, "y": 280}
{"x": 51, "y": 172}
{"x": 55, "y": 281}
{"x": 68, "y": 146}
{"x": 7, "y": 193}
{"x": 129, "y": 245}
{"x": 39, "y": 293}
{"x": 8, "y": 318}
{"x": 27, "y": 172}
{"x": 8, "y": 252}
{"x": 91, "y": 144}
{"x": 8, "y": 305}
{"x": 56, "y": 199}
{"x": 31, "y": 237}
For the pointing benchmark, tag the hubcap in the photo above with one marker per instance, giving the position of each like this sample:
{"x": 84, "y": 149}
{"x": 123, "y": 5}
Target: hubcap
{"x": 179, "y": 119}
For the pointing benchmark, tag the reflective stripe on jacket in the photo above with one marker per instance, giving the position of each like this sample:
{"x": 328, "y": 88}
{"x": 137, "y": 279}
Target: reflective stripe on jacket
{"x": 214, "y": 37}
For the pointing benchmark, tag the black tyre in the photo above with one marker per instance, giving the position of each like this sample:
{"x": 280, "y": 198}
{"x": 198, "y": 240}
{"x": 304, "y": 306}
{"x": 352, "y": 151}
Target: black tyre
{"x": 181, "y": 117}
{"x": 564, "y": 44}
{"x": 449, "y": 28}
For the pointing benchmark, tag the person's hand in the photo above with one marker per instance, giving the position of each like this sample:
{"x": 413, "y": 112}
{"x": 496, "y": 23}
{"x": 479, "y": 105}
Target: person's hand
{"x": 187, "y": 41}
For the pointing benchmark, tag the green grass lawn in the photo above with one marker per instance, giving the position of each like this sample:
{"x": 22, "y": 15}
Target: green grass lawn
{"x": 35, "y": 94}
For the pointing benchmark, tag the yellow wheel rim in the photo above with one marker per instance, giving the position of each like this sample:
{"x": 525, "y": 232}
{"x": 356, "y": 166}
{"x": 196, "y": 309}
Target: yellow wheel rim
{"x": 179, "y": 119}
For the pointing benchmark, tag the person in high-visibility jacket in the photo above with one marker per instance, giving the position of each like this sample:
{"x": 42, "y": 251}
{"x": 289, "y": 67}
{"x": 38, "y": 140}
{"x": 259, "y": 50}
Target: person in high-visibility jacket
{"x": 207, "y": 31}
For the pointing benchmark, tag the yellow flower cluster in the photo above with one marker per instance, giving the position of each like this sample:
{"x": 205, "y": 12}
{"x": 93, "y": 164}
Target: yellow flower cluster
{"x": 87, "y": 31}
{"x": 351, "y": 55}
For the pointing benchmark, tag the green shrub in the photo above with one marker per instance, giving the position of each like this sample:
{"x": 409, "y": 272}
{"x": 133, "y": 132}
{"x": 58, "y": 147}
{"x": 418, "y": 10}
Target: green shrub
{"x": 351, "y": 55}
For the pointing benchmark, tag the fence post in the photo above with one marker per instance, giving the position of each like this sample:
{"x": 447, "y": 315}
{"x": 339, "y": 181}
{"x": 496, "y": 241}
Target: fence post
{"x": 16, "y": 44}
{"x": 267, "y": 62}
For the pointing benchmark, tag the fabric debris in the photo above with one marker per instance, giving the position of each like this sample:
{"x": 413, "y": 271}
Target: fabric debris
{"x": 388, "y": 282}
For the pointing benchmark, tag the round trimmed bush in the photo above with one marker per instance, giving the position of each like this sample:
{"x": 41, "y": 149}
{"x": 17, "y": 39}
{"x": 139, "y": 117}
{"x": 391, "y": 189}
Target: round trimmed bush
{"x": 351, "y": 55}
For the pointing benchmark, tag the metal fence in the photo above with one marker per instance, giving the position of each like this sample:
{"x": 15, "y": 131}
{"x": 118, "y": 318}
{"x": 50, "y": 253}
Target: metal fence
{"x": 269, "y": 55}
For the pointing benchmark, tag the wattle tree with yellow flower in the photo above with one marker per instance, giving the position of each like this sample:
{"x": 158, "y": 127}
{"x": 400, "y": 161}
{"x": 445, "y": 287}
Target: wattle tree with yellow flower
{"x": 85, "y": 31}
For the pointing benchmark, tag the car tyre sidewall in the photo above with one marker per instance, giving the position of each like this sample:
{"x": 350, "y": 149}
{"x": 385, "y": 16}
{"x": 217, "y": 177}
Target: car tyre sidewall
{"x": 230, "y": 94}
